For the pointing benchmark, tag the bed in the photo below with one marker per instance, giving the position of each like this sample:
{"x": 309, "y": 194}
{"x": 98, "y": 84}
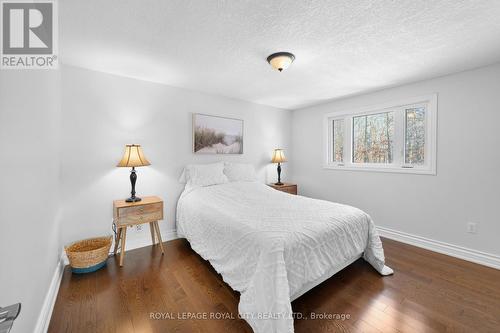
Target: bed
{"x": 272, "y": 247}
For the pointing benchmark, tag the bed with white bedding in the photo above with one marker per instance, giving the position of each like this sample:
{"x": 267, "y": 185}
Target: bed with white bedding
{"x": 272, "y": 246}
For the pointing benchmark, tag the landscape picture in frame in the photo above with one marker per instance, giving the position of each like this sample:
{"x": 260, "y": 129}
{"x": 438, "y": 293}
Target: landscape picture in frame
{"x": 217, "y": 135}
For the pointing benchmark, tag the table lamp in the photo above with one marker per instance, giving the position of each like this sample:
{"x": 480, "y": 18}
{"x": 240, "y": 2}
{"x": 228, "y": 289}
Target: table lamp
{"x": 278, "y": 157}
{"x": 133, "y": 157}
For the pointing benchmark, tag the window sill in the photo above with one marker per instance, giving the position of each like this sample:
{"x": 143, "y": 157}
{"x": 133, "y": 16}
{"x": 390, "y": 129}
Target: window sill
{"x": 416, "y": 171}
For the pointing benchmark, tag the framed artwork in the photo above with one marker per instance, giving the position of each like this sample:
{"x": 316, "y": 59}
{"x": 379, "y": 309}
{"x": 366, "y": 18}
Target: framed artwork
{"x": 217, "y": 135}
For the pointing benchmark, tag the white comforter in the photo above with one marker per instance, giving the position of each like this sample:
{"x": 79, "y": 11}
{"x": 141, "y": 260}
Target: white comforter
{"x": 270, "y": 245}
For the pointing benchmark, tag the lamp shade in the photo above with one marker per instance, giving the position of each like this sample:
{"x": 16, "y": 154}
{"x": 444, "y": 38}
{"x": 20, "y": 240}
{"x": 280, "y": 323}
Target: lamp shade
{"x": 278, "y": 156}
{"x": 133, "y": 157}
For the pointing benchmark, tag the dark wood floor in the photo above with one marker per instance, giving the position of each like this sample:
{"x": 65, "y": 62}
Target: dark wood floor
{"x": 429, "y": 292}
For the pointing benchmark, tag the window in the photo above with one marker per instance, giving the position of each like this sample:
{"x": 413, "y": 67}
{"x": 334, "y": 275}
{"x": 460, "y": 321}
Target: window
{"x": 373, "y": 138}
{"x": 338, "y": 140}
{"x": 415, "y": 136}
{"x": 394, "y": 137}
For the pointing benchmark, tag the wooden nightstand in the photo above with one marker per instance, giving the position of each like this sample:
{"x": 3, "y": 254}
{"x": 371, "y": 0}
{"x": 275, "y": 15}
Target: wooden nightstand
{"x": 288, "y": 188}
{"x": 126, "y": 214}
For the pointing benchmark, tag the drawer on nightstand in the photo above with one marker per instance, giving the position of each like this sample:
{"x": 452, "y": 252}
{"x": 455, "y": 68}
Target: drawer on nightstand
{"x": 140, "y": 210}
{"x": 140, "y": 218}
{"x": 289, "y": 189}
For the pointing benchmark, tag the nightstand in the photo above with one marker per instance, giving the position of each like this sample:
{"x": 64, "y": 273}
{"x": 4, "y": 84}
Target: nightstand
{"x": 127, "y": 214}
{"x": 286, "y": 187}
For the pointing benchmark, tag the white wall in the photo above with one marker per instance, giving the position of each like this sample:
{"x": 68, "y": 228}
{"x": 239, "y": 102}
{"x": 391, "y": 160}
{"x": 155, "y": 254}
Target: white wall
{"x": 100, "y": 113}
{"x": 467, "y": 185}
{"x": 103, "y": 112}
{"x": 29, "y": 183}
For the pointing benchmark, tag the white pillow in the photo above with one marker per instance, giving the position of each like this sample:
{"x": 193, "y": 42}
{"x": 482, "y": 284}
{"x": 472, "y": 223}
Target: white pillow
{"x": 240, "y": 172}
{"x": 204, "y": 174}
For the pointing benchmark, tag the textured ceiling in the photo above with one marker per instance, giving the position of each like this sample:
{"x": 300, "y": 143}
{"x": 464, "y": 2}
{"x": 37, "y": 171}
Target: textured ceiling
{"x": 220, "y": 47}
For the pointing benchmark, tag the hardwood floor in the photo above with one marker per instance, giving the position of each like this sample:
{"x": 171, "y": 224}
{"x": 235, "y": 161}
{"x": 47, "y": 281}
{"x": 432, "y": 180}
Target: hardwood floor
{"x": 429, "y": 292}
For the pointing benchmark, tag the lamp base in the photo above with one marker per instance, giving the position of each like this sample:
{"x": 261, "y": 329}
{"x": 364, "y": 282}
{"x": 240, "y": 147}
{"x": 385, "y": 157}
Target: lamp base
{"x": 133, "y": 178}
{"x": 279, "y": 183}
{"x": 133, "y": 199}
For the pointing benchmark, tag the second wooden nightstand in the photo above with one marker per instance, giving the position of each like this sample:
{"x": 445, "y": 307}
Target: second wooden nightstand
{"x": 286, "y": 187}
{"x": 126, "y": 214}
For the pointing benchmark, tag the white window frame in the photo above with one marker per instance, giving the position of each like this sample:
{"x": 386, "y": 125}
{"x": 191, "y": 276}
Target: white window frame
{"x": 398, "y": 165}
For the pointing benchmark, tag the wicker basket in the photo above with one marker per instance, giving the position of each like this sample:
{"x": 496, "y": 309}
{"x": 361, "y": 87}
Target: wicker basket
{"x": 88, "y": 255}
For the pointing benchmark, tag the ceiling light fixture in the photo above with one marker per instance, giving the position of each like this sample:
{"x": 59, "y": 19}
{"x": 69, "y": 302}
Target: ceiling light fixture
{"x": 280, "y": 60}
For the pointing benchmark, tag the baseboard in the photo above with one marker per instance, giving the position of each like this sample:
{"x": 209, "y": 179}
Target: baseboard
{"x": 135, "y": 241}
{"x": 478, "y": 257}
{"x": 43, "y": 321}
{"x": 475, "y": 256}
{"x": 42, "y": 324}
